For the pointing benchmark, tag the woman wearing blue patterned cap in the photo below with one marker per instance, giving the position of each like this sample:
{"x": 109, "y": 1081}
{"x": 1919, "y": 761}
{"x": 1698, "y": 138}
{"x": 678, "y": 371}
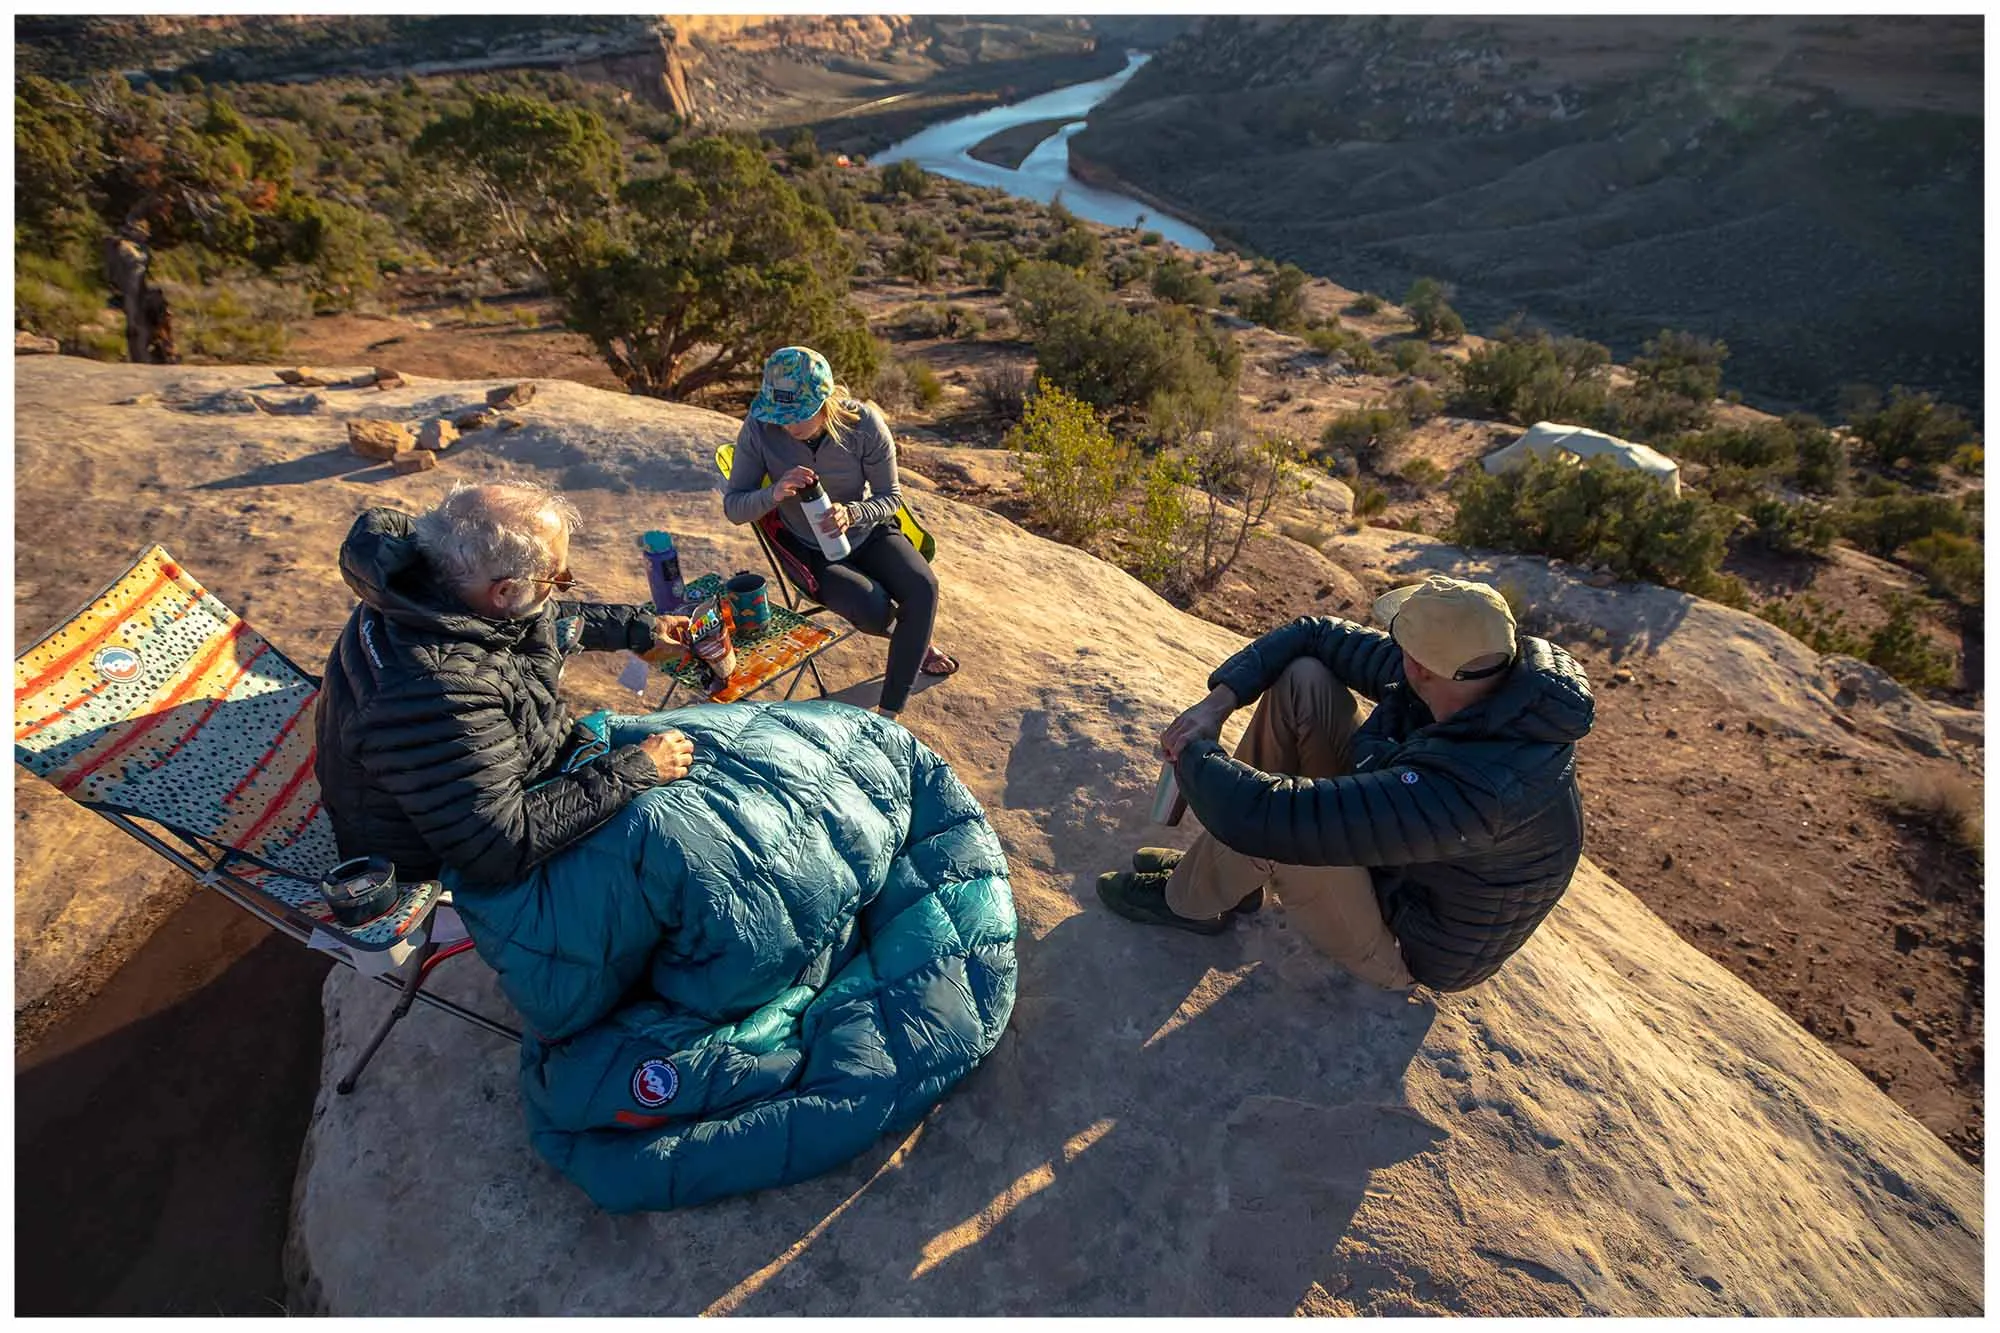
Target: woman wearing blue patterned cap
{"x": 804, "y": 427}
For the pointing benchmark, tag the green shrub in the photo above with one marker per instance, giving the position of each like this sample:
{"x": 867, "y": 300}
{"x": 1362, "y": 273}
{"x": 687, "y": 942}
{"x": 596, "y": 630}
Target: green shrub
{"x": 906, "y": 178}
{"x": 916, "y": 259}
{"x": 1765, "y": 445}
{"x": 1151, "y": 238}
{"x": 1955, "y": 566}
{"x": 1884, "y": 524}
{"x": 1793, "y": 529}
{"x": 975, "y": 261}
{"x": 1038, "y": 292}
{"x": 1912, "y": 429}
{"x": 1422, "y": 473}
{"x": 1157, "y": 525}
{"x": 1416, "y": 402}
{"x": 1675, "y": 381}
{"x": 1800, "y": 448}
{"x": 58, "y": 300}
{"x": 1969, "y": 459}
{"x": 929, "y": 389}
{"x": 1112, "y": 357}
{"x": 1281, "y": 303}
{"x": 1598, "y": 513}
{"x": 1369, "y": 500}
{"x": 1178, "y": 281}
{"x": 934, "y": 319}
{"x": 1368, "y": 303}
{"x": 1351, "y": 345}
{"x": 1812, "y": 623}
{"x": 1525, "y": 377}
{"x": 1428, "y": 303}
{"x": 1822, "y": 457}
{"x": 1413, "y": 356}
{"x": 803, "y": 150}
{"x": 1127, "y": 269}
{"x": 1072, "y": 467}
{"x": 1901, "y": 648}
{"x": 1365, "y": 432}
{"x": 1737, "y": 487}
{"x": 1075, "y": 244}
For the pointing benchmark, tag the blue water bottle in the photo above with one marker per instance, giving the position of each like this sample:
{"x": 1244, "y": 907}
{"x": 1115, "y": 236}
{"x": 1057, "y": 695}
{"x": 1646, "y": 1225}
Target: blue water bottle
{"x": 663, "y": 572}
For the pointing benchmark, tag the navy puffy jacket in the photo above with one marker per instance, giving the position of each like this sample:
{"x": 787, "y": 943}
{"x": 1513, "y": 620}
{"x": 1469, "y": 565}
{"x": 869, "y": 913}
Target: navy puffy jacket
{"x": 1472, "y": 826}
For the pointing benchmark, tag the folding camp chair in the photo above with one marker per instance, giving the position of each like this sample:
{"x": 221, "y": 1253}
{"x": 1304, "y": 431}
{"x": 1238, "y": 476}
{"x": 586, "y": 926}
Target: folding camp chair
{"x": 795, "y": 580}
{"x": 158, "y": 708}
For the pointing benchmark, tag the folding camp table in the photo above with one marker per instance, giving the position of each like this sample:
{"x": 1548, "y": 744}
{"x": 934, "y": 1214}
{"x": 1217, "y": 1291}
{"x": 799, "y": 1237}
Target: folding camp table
{"x": 784, "y": 647}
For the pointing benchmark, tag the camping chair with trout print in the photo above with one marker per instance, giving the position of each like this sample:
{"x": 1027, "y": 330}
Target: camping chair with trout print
{"x": 156, "y": 707}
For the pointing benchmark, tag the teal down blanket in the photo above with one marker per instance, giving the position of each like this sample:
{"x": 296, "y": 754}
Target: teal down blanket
{"x": 749, "y": 975}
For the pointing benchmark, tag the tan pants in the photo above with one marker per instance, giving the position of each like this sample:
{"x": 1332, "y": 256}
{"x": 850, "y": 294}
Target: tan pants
{"x": 1303, "y": 727}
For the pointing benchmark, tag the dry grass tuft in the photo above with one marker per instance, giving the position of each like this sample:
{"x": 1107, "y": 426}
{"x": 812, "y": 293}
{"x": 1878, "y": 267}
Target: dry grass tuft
{"x": 1945, "y": 801}
{"x": 1307, "y": 534}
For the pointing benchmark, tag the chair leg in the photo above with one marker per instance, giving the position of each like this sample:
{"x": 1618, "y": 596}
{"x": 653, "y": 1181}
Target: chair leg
{"x": 408, "y": 997}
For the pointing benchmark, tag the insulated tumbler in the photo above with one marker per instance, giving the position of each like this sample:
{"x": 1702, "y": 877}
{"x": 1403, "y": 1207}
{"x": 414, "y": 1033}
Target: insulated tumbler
{"x": 749, "y": 602}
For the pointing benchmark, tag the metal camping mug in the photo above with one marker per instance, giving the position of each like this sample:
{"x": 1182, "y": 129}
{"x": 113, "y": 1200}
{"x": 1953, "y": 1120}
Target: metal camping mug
{"x": 1168, "y": 803}
{"x": 749, "y": 602}
{"x": 358, "y": 891}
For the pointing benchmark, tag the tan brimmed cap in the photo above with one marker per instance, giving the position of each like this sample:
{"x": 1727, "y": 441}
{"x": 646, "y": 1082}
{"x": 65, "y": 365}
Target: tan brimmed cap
{"x": 1445, "y": 623}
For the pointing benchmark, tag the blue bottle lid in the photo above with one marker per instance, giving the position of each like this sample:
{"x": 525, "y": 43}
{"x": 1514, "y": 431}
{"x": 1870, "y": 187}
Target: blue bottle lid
{"x": 656, "y": 542}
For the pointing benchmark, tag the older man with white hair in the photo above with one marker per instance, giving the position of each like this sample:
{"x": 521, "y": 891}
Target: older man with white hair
{"x": 442, "y": 740}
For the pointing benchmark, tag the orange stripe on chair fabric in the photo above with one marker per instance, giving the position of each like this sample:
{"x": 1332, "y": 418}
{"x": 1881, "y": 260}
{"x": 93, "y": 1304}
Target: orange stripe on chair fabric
{"x": 139, "y": 729}
{"x": 221, "y": 697}
{"x": 113, "y": 619}
{"x": 277, "y": 742}
{"x": 271, "y": 812}
{"x": 62, "y": 712}
{"x": 292, "y": 834}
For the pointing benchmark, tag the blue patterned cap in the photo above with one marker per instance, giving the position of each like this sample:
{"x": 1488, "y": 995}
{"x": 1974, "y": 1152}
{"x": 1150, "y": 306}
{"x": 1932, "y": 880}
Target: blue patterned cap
{"x": 797, "y": 382}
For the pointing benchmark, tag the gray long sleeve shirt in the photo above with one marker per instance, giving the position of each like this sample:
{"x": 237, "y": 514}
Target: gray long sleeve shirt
{"x": 859, "y": 472}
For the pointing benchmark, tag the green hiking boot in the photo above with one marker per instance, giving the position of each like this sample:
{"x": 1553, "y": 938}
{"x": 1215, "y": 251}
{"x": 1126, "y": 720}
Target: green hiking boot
{"x": 1162, "y": 860}
{"x": 1142, "y": 897}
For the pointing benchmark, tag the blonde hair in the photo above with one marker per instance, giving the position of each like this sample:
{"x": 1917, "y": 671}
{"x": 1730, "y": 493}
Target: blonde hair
{"x": 842, "y": 410}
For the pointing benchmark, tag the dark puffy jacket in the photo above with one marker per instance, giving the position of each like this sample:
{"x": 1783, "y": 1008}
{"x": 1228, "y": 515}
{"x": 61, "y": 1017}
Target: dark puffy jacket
{"x": 436, "y": 725}
{"x": 1472, "y": 826}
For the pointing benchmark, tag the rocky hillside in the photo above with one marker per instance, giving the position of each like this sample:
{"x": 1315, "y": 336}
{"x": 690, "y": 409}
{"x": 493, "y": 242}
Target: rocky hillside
{"x": 757, "y": 69}
{"x": 1173, "y": 1125}
{"x": 1808, "y": 190}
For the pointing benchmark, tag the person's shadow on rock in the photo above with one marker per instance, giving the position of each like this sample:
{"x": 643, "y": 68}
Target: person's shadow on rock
{"x": 1173, "y": 1125}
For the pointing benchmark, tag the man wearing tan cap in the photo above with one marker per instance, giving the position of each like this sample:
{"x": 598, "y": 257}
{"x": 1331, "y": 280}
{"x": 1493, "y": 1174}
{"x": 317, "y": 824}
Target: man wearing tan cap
{"x": 1421, "y": 846}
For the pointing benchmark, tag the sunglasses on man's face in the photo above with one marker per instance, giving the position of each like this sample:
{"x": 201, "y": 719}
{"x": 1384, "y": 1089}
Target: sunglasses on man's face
{"x": 564, "y": 581}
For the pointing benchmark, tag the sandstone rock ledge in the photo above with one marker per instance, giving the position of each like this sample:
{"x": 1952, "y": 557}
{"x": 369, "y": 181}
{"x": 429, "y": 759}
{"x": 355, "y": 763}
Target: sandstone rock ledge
{"x": 1173, "y": 1125}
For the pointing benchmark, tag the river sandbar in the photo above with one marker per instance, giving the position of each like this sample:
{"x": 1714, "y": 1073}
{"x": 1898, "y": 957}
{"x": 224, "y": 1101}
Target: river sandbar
{"x": 1010, "y": 147}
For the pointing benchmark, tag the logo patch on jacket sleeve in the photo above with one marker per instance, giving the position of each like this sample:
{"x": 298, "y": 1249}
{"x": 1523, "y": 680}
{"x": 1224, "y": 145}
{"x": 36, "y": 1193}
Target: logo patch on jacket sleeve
{"x": 1409, "y": 777}
{"x": 655, "y": 1082}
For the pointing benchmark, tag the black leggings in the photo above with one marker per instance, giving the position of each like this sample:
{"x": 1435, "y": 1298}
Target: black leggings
{"x": 886, "y": 589}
